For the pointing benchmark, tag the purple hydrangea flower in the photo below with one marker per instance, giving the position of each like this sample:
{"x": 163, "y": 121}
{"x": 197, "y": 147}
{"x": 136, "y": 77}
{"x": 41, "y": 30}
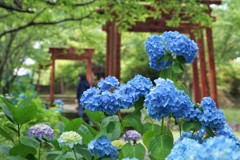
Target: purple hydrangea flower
{"x": 132, "y": 135}
{"x": 212, "y": 117}
{"x": 102, "y": 147}
{"x": 41, "y": 131}
{"x": 108, "y": 83}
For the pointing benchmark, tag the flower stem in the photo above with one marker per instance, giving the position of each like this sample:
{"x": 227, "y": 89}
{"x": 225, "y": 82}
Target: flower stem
{"x": 74, "y": 153}
{"x": 162, "y": 125}
{"x": 168, "y": 124}
{"x": 39, "y": 151}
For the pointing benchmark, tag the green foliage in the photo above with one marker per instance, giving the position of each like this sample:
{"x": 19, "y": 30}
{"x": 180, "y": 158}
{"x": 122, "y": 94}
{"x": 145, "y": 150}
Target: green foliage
{"x": 134, "y": 151}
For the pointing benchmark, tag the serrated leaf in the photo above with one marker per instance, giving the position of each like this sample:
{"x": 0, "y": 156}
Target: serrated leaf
{"x": 96, "y": 117}
{"x": 160, "y": 146}
{"x": 86, "y": 134}
{"x": 5, "y": 149}
{"x": 131, "y": 151}
{"x": 74, "y": 125}
{"x": 83, "y": 150}
{"x": 133, "y": 120}
{"x": 22, "y": 150}
{"x": 5, "y": 134}
{"x": 30, "y": 142}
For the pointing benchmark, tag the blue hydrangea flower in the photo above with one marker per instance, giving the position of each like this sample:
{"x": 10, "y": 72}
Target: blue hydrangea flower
{"x": 182, "y": 148}
{"x": 141, "y": 84}
{"x": 21, "y": 95}
{"x": 96, "y": 100}
{"x": 127, "y": 94}
{"x": 180, "y": 45}
{"x": 109, "y": 102}
{"x": 41, "y": 131}
{"x": 108, "y": 83}
{"x": 91, "y": 99}
{"x": 227, "y": 132}
{"x": 185, "y": 107}
{"x": 102, "y": 147}
{"x": 212, "y": 117}
{"x": 161, "y": 100}
{"x": 132, "y": 135}
{"x": 197, "y": 137}
{"x": 155, "y": 50}
{"x": 58, "y": 102}
{"x": 216, "y": 148}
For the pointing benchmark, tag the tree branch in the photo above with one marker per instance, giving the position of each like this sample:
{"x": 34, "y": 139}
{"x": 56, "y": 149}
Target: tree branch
{"x": 13, "y": 8}
{"x": 32, "y": 23}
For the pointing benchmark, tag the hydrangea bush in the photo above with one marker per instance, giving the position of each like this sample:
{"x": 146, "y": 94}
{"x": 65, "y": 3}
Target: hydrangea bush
{"x": 144, "y": 133}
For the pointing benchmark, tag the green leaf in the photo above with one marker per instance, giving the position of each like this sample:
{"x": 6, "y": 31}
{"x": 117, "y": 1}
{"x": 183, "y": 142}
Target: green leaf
{"x": 133, "y": 120}
{"x": 147, "y": 136}
{"x": 160, "y": 146}
{"x": 55, "y": 144}
{"x": 131, "y": 151}
{"x": 96, "y": 117}
{"x": 164, "y": 73}
{"x": 22, "y": 150}
{"x": 16, "y": 158}
{"x": 5, "y": 149}
{"x": 181, "y": 59}
{"x": 210, "y": 132}
{"x": 83, "y": 150}
{"x": 30, "y": 142}
{"x": 7, "y": 106}
{"x": 52, "y": 155}
{"x": 177, "y": 68}
{"x": 110, "y": 127}
{"x": 151, "y": 127}
{"x": 191, "y": 126}
{"x": 74, "y": 125}
{"x": 5, "y": 134}
{"x": 86, "y": 134}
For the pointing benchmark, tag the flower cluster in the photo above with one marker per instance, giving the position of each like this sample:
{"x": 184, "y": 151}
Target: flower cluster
{"x": 195, "y": 136}
{"x": 118, "y": 143}
{"x": 102, "y": 147}
{"x": 227, "y": 132}
{"x": 108, "y": 83}
{"x": 132, "y": 135}
{"x": 69, "y": 139}
{"x": 115, "y": 98}
{"x": 212, "y": 117}
{"x": 165, "y": 99}
{"x": 41, "y": 131}
{"x": 172, "y": 43}
{"x": 58, "y": 102}
{"x": 138, "y": 87}
{"x": 180, "y": 45}
{"x": 216, "y": 148}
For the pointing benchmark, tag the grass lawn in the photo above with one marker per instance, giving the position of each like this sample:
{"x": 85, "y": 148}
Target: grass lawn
{"x": 232, "y": 114}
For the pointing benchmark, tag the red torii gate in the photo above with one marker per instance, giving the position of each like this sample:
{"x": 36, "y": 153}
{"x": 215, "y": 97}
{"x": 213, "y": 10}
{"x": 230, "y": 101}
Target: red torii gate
{"x": 69, "y": 54}
{"x": 113, "y": 55}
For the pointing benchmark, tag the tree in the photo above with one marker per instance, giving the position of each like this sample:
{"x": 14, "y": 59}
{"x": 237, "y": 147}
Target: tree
{"x": 226, "y": 31}
{"x": 26, "y": 22}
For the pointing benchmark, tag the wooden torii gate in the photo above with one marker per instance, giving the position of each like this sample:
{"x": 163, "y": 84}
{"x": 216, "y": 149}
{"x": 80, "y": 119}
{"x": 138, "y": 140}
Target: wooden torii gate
{"x": 69, "y": 54}
{"x": 200, "y": 85}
